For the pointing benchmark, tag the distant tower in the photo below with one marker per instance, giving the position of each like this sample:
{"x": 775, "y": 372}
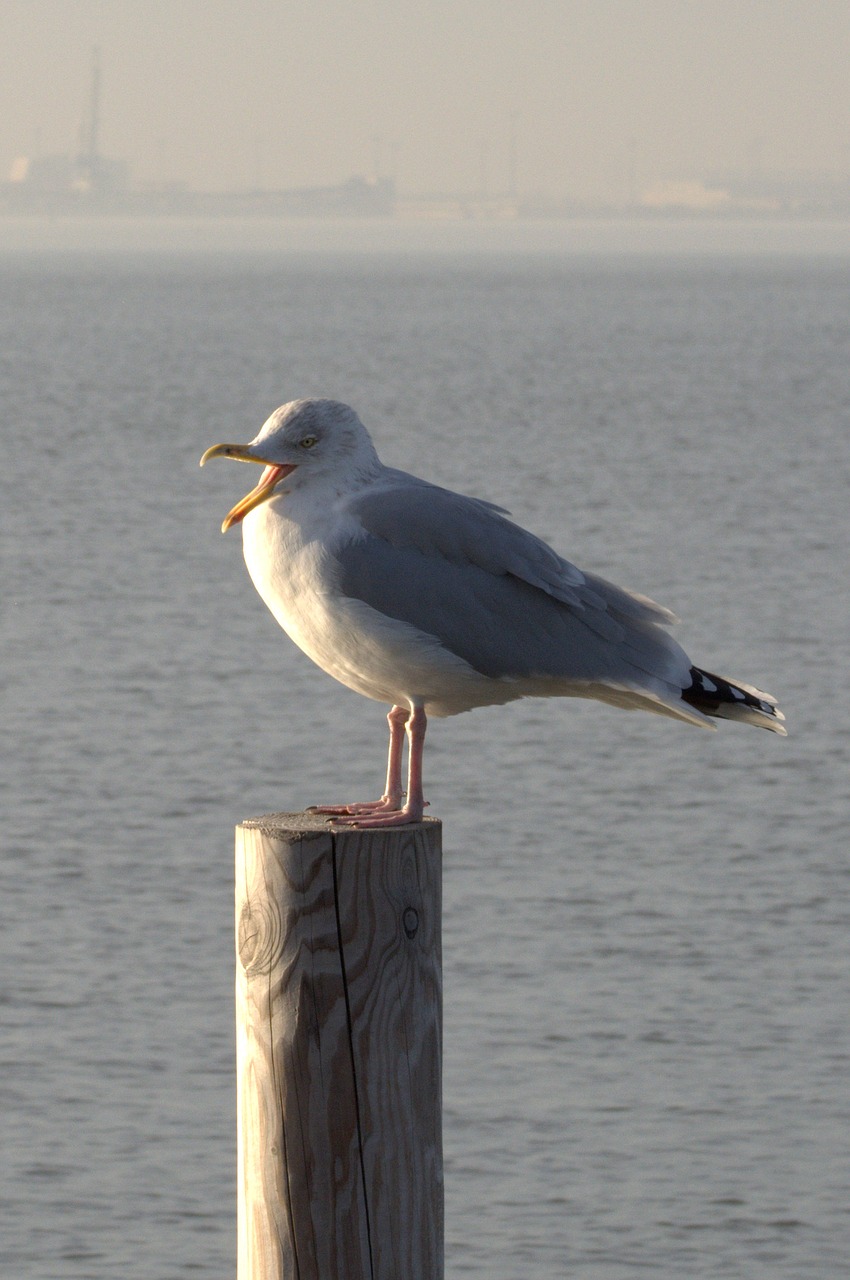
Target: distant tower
{"x": 632, "y": 172}
{"x": 87, "y": 162}
{"x": 377, "y": 152}
{"x": 94, "y": 110}
{"x": 755, "y": 165}
{"x": 483, "y": 170}
{"x": 512, "y": 155}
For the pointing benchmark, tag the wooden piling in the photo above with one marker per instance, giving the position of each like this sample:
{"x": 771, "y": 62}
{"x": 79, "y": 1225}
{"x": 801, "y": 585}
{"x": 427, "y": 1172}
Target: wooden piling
{"x": 339, "y": 1050}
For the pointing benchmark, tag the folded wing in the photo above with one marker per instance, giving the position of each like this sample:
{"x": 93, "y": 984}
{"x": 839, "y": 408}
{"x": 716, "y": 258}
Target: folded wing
{"x": 500, "y": 598}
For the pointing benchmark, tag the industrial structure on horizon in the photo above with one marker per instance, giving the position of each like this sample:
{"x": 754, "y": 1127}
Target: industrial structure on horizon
{"x": 84, "y": 177}
{"x": 85, "y": 182}
{"x": 88, "y": 182}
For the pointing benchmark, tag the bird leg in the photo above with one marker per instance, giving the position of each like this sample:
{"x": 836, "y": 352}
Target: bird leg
{"x": 393, "y": 793}
{"x": 416, "y": 723}
{"x": 390, "y": 801}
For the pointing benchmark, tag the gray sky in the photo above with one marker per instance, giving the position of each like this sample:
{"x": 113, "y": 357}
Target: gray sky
{"x": 223, "y": 92}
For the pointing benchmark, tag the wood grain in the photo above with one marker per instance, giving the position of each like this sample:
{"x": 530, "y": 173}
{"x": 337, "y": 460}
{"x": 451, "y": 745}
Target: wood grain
{"x": 339, "y": 1050}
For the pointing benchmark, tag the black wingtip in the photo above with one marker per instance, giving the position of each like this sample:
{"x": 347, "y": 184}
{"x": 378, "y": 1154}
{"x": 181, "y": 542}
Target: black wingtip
{"x": 725, "y": 699}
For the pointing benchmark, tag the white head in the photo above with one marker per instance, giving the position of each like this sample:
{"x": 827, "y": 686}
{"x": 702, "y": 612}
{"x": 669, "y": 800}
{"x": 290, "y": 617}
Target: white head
{"x": 303, "y": 442}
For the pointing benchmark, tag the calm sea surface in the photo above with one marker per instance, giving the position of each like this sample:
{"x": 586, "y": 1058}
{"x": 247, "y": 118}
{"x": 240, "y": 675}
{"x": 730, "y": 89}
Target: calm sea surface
{"x": 647, "y": 928}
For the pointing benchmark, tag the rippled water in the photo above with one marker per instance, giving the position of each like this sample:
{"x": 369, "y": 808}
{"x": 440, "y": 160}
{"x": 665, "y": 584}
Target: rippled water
{"x": 646, "y": 951}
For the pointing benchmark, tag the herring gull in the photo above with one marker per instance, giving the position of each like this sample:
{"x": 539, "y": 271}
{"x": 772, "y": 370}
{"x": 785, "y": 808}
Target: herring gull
{"x": 436, "y": 603}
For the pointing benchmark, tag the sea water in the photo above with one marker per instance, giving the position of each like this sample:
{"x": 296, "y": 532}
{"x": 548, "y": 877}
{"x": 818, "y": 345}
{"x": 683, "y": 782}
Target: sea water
{"x": 647, "y": 927}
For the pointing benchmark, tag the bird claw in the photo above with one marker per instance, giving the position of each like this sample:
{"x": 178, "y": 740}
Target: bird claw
{"x": 384, "y": 805}
{"x": 384, "y": 818}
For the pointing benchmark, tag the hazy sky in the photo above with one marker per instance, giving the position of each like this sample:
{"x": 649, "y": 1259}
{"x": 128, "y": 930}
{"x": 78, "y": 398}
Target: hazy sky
{"x": 225, "y": 92}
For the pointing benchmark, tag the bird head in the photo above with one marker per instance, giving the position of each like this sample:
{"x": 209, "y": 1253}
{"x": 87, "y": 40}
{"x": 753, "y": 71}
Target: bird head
{"x": 300, "y": 442}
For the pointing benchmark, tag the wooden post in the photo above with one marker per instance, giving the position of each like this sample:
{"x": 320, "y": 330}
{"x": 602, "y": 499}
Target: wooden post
{"x": 339, "y": 1050}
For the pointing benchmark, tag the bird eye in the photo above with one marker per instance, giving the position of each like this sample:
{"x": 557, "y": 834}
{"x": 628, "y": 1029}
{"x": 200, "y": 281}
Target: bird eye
{"x": 307, "y": 442}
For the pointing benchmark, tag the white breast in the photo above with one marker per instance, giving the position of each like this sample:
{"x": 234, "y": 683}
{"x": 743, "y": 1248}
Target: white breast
{"x": 292, "y": 566}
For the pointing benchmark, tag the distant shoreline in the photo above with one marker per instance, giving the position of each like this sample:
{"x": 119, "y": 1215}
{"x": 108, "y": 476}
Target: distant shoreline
{"x": 34, "y": 234}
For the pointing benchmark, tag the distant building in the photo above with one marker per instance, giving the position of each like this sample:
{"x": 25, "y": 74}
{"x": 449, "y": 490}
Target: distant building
{"x": 90, "y": 183}
{"x": 753, "y": 194}
{"x": 357, "y": 197}
{"x": 46, "y": 179}
{"x": 688, "y": 196}
{"x": 87, "y": 179}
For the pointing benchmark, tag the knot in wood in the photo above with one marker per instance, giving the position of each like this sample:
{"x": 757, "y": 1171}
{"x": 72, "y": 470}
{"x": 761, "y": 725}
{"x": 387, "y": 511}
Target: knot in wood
{"x": 410, "y": 920}
{"x": 259, "y": 939}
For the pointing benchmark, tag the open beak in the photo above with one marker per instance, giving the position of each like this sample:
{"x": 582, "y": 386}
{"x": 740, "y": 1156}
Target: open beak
{"x": 273, "y": 472}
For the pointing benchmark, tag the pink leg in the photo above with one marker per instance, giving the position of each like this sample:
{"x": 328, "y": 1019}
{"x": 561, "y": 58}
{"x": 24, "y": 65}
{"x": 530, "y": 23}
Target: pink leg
{"x": 390, "y": 801}
{"x": 393, "y": 792}
{"x": 414, "y": 808}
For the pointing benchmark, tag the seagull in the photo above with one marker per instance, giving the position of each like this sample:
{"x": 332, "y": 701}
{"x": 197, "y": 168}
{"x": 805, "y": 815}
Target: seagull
{"x": 437, "y": 603}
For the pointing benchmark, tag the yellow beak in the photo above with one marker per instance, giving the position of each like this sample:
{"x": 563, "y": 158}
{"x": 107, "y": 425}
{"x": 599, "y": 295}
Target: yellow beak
{"x": 274, "y": 471}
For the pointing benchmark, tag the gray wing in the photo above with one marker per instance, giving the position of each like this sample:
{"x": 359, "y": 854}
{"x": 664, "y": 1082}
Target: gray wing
{"x": 495, "y": 594}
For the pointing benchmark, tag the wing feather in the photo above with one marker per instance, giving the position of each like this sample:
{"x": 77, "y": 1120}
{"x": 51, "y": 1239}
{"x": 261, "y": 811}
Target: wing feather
{"x": 408, "y": 513}
{"x": 503, "y": 600}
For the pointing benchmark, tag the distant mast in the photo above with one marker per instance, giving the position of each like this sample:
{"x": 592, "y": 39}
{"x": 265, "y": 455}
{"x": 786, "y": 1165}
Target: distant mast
{"x": 89, "y": 140}
{"x": 512, "y": 156}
